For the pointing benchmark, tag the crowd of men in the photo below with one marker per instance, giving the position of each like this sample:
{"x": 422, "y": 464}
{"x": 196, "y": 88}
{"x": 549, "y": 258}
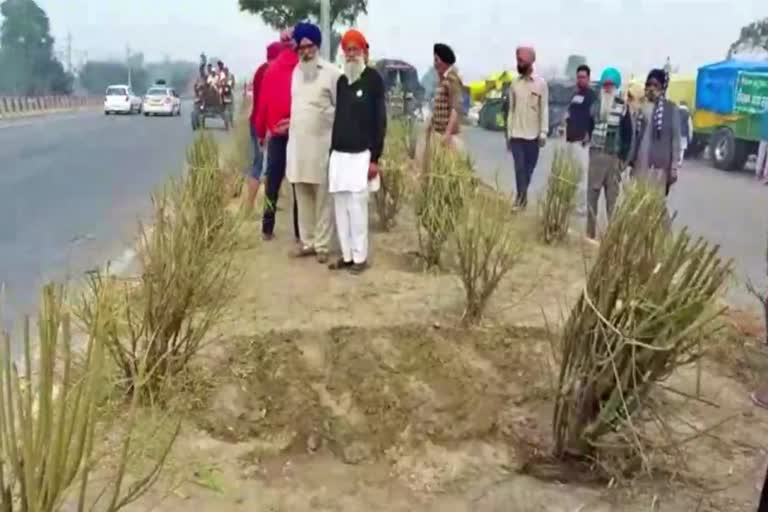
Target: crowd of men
{"x": 218, "y": 78}
{"x": 323, "y": 129}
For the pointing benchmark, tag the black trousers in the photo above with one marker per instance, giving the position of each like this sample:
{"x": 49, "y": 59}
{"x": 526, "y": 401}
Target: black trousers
{"x": 763, "y": 506}
{"x": 276, "y": 162}
{"x": 526, "y": 155}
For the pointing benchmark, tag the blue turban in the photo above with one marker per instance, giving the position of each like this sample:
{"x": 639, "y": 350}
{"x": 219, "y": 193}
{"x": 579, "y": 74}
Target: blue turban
{"x": 611, "y": 75}
{"x": 308, "y": 31}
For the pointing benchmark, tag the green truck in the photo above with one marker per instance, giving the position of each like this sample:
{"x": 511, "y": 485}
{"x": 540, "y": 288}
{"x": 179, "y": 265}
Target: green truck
{"x": 731, "y": 111}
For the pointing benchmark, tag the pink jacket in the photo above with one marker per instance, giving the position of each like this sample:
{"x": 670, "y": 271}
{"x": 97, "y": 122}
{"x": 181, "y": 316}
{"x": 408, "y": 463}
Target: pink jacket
{"x": 275, "y": 95}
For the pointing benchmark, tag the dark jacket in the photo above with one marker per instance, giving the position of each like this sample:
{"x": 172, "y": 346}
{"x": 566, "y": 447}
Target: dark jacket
{"x": 664, "y": 149}
{"x": 581, "y": 116}
{"x": 360, "y": 121}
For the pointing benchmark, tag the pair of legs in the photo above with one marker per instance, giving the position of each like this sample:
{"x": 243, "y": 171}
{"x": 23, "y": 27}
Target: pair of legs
{"x": 351, "y": 210}
{"x": 256, "y": 171}
{"x": 526, "y": 155}
{"x": 276, "y": 160}
{"x": 314, "y": 218}
{"x": 579, "y": 153}
{"x": 604, "y": 176}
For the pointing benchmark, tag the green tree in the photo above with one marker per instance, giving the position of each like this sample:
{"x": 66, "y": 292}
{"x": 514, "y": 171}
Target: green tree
{"x": 753, "y": 37}
{"x": 285, "y": 13}
{"x": 26, "y": 48}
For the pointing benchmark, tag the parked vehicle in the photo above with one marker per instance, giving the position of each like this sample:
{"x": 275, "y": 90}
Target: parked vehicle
{"x": 731, "y": 97}
{"x": 162, "y": 100}
{"x": 121, "y": 99}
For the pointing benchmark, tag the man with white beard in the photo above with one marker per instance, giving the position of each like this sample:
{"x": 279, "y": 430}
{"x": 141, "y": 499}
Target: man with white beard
{"x": 358, "y": 141}
{"x": 313, "y": 103}
{"x": 610, "y": 143}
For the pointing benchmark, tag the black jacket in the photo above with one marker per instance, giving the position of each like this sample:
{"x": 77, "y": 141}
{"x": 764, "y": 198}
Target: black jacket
{"x": 581, "y": 116}
{"x": 361, "y": 115}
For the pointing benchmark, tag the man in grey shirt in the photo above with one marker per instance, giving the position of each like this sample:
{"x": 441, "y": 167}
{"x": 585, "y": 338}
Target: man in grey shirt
{"x": 655, "y": 153}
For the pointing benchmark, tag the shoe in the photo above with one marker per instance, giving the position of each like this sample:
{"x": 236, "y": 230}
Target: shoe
{"x": 322, "y": 258}
{"x": 267, "y": 237}
{"x": 304, "y": 252}
{"x": 340, "y": 264}
{"x": 358, "y": 268}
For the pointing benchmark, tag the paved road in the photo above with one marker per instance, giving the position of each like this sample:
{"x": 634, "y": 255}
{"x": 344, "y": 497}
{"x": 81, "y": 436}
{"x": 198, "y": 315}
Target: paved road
{"x": 726, "y": 208}
{"x": 72, "y": 187}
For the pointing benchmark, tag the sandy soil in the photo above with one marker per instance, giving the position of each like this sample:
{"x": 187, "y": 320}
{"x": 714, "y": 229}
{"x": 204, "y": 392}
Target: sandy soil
{"x": 329, "y": 392}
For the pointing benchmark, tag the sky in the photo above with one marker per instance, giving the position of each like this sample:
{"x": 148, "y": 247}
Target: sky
{"x": 634, "y": 35}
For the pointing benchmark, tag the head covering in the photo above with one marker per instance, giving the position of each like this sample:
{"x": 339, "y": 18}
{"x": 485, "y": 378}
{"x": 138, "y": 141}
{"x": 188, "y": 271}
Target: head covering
{"x": 354, "y": 37}
{"x": 445, "y": 53}
{"x": 273, "y": 50}
{"x": 307, "y": 31}
{"x": 636, "y": 90}
{"x": 286, "y": 37}
{"x": 662, "y": 77}
{"x": 526, "y": 53}
{"x": 611, "y": 75}
{"x": 659, "y": 75}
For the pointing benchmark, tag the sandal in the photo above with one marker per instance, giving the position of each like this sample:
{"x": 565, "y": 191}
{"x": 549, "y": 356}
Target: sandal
{"x": 340, "y": 264}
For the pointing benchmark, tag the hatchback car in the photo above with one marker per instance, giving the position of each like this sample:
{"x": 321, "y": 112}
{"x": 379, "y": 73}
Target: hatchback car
{"x": 121, "y": 99}
{"x": 162, "y": 101}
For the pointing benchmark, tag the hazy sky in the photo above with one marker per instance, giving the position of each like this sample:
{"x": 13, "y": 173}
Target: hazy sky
{"x": 631, "y": 34}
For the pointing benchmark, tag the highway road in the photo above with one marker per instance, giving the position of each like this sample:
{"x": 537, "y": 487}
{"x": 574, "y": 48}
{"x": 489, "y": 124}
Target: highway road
{"x": 730, "y": 209}
{"x": 72, "y": 189}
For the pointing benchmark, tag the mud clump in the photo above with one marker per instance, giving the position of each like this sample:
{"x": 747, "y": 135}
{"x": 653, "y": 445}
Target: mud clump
{"x": 360, "y": 392}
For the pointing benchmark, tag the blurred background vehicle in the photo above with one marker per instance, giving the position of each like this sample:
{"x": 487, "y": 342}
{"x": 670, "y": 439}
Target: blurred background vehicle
{"x": 162, "y": 100}
{"x": 121, "y": 99}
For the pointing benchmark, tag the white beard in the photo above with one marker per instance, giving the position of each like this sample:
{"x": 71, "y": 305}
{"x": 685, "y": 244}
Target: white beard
{"x": 354, "y": 70}
{"x": 309, "y": 70}
{"x": 606, "y": 104}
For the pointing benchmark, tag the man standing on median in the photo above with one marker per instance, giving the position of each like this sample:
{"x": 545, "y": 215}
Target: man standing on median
{"x": 358, "y": 141}
{"x": 447, "y": 109}
{"x": 581, "y": 123}
{"x": 655, "y": 154}
{"x": 254, "y": 176}
{"x": 273, "y": 120}
{"x": 528, "y": 123}
{"x": 611, "y": 140}
{"x": 312, "y": 113}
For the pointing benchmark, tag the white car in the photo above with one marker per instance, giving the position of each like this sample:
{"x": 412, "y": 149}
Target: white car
{"x": 121, "y": 99}
{"x": 161, "y": 100}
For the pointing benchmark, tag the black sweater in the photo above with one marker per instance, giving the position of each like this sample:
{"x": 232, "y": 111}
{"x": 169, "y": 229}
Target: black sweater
{"x": 581, "y": 116}
{"x": 361, "y": 115}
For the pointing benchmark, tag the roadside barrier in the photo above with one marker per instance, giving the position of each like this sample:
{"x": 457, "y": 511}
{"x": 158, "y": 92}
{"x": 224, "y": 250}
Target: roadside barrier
{"x": 15, "y": 106}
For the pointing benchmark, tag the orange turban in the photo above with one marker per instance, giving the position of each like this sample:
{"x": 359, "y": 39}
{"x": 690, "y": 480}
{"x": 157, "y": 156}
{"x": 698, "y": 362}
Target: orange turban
{"x": 354, "y": 37}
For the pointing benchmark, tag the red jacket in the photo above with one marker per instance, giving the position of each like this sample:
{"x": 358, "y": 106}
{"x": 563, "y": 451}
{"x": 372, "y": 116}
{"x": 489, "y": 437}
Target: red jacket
{"x": 258, "y": 78}
{"x": 275, "y": 94}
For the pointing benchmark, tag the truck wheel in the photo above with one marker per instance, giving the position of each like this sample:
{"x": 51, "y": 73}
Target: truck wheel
{"x": 724, "y": 148}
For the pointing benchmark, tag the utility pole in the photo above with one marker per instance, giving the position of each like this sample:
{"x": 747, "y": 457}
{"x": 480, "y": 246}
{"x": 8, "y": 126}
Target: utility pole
{"x": 69, "y": 52}
{"x": 325, "y": 26}
{"x": 128, "y": 63}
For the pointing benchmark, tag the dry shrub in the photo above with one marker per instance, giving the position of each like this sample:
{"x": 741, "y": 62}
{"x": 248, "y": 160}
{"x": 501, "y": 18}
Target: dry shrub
{"x": 394, "y": 167}
{"x": 649, "y": 300}
{"x": 51, "y": 431}
{"x": 487, "y": 247}
{"x": 238, "y": 157}
{"x": 557, "y": 206}
{"x": 185, "y": 281}
{"x": 446, "y": 178}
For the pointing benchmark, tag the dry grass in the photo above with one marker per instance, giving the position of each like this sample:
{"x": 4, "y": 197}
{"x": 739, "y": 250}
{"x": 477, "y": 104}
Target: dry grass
{"x": 395, "y": 163}
{"x": 487, "y": 247}
{"x": 186, "y": 274}
{"x": 559, "y": 202}
{"x": 649, "y": 299}
{"x": 51, "y": 432}
{"x": 446, "y": 178}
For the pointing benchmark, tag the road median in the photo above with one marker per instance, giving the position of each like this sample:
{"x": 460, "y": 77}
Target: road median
{"x": 12, "y": 107}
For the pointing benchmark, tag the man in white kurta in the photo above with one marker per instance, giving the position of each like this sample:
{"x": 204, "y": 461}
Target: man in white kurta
{"x": 358, "y": 141}
{"x": 313, "y": 92}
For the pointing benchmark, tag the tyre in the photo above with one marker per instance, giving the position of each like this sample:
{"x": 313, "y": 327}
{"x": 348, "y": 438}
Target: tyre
{"x": 146, "y": 114}
{"x": 724, "y": 150}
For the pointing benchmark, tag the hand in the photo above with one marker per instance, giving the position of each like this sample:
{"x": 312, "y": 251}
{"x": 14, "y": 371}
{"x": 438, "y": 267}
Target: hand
{"x": 446, "y": 140}
{"x": 673, "y": 176}
{"x": 542, "y": 141}
{"x": 373, "y": 171}
{"x": 262, "y": 143}
{"x": 586, "y": 141}
{"x": 282, "y": 127}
